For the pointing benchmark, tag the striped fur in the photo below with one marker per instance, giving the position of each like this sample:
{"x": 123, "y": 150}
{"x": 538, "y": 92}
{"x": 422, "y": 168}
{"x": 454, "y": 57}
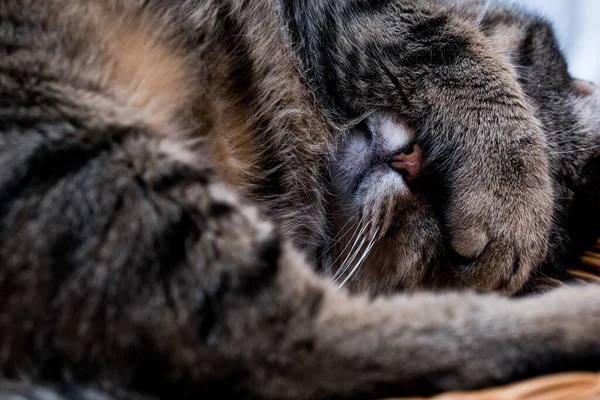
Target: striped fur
{"x": 164, "y": 195}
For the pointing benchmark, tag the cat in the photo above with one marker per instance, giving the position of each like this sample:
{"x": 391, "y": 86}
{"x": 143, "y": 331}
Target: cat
{"x": 164, "y": 196}
{"x": 413, "y": 253}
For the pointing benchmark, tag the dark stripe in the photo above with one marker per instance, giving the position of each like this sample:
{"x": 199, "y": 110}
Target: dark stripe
{"x": 51, "y": 162}
{"x": 62, "y": 264}
{"x": 329, "y": 61}
{"x": 182, "y": 175}
{"x": 358, "y": 8}
{"x": 211, "y": 310}
{"x": 219, "y": 209}
{"x": 292, "y": 14}
{"x": 433, "y": 45}
{"x": 253, "y": 280}
{"x": 18, "y": 31}
{"x": 404, "y": 99}
{"x": 314, "y": 38}
{"x": 314, "y": 304}
{"x": 180, "y": 233}
{"x": 516, "y": 265}
{"x": 270, "y": 176}
{"x": 244, "y": 283}
{"x": 527, "y": 48}
{"x": 427, "y": 43}
{"x": 430, "y": 28}
{"x": 546, "y": 67}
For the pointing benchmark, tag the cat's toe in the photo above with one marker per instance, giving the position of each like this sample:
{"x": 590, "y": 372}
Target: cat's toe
{"x": 498, "y": 250}
{"x": 500, "y": 268}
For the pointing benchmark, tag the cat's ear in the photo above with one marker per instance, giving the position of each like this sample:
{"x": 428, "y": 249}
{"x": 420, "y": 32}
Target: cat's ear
{"x": 582, "y": 88}
{"x": 586, "y": 99}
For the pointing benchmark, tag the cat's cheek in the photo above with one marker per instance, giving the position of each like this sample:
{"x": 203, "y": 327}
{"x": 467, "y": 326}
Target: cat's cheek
{"x": 357, "y": 155}
{"x": 352, "y": 161}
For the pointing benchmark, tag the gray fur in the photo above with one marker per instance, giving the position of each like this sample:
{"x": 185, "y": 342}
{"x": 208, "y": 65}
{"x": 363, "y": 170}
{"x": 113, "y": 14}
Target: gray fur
{"x": 164, "y": 189}
{"x": 415, "y": 251}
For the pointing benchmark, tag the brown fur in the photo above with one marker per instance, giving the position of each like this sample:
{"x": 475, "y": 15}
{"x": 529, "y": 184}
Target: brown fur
{"x": 165, "y": 188}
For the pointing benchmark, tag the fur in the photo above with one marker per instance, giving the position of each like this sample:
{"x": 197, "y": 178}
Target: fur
{"x": 165, "y": 172}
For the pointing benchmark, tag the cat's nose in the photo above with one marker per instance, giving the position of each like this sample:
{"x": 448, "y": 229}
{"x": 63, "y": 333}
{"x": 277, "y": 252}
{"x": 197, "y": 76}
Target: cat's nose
{"x": 409, "y": 164}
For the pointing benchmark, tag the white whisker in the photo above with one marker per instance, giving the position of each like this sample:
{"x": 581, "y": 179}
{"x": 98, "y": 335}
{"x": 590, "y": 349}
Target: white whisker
{"x": 351, "y": 260}
{"x": 338, "y": 236}
{"x": 575, "y": 151}
{"x": 356, "y": 229}
{"x": 362, "y": 258}
{"x": 354, "y": 250}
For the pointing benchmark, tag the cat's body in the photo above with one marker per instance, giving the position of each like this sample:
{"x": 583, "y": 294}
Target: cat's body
{"x": 135, "y": 138}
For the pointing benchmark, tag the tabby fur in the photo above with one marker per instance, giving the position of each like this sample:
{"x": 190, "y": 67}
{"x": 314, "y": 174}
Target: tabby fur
{"x": 164, "y": 196}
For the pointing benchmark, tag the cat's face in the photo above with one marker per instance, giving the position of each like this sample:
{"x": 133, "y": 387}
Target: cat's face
{"x": 388, "y": 203}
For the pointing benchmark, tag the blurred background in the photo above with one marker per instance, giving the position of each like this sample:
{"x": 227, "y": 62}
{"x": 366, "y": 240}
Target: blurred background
{"x": 577, "y": 24}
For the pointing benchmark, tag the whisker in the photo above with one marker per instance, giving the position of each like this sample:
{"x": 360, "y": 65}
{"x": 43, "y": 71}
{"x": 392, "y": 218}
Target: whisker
{"x": 338, "y": 236}
{"x": 362, "y": 259}
{"x": 349, "y": 264}
{"x": 356, "y": 230}
{"x": 579, "y": 126}
{"x": 574, "y": 151}
{"x": 557, "y": 140}
{"x": 351, "y": 255}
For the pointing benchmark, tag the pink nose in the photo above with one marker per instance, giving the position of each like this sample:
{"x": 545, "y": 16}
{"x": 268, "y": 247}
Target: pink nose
{"x": 411, "y": 163}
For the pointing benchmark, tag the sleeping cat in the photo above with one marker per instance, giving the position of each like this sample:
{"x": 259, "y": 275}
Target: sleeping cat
{"x": 142, "y": 142}
{"x": 410, "y": 249}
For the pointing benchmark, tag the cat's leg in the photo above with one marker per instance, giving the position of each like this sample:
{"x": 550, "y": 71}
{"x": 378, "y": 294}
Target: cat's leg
{"x": 293, "y": 335}
{"x": 129, "y": 266}
{"x": 284, "y": 333}
{"x": 248, "y": 313}
{"x": 437, "y": 72}
{"x": 335, "y": 346}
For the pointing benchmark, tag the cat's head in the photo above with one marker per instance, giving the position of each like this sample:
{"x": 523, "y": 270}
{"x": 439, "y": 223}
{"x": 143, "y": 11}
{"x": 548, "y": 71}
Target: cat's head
{"x": 387, "y": 203}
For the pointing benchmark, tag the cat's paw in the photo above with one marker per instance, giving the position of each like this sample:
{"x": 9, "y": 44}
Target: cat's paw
{"x": 499, "y": 233}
